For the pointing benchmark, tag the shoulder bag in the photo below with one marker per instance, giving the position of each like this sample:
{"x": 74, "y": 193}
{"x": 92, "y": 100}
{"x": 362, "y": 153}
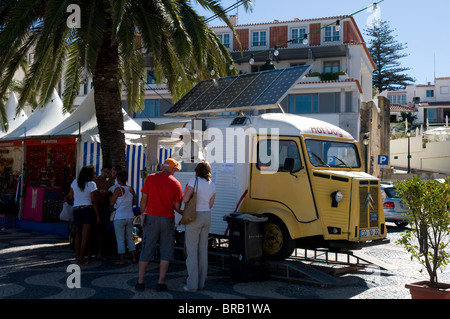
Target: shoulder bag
{"x": 66, "y": 212}
{"x": 189, "y": 213}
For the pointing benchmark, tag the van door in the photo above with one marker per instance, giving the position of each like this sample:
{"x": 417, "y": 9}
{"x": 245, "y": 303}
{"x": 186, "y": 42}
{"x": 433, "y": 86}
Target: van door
{"x": 278, "y": 175}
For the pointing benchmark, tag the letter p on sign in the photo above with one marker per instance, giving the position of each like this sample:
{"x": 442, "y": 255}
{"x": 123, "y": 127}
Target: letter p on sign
{"x": 383, "y": 159}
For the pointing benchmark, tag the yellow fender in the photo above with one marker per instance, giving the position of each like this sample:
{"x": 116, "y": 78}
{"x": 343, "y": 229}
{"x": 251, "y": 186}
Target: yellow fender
{"x": 285, "y": 216}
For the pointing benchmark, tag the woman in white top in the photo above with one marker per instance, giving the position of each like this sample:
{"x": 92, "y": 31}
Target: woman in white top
{"x": 196, "y": 233}
{"x": 83, "y": 192}
{"x": 124, "y": 197}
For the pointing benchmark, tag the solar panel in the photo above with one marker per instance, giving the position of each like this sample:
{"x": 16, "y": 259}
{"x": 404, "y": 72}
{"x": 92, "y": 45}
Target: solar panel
{"x": 244, "y": 92}
{"x": 190, "y": 97}
{"x": 215, "y": 90}
{"x": 232, "y": 92}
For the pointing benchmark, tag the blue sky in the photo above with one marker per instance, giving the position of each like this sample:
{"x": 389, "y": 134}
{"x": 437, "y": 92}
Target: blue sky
{"x": 420, "y": 25}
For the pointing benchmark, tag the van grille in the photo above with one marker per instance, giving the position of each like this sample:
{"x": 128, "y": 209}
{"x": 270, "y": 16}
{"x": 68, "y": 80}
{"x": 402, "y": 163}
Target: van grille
{"x": 368, "y": 204}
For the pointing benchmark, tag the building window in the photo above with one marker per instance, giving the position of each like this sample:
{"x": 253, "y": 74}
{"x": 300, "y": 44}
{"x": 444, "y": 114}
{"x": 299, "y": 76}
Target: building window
{"x": 444, "y": 90}
{"x": 225, "y": 39}
{"x": 397, "y": 99}
{"x": 259, "y": 39}
{"x": 304, "y": 103}
{"x": 331, "y": 66}
{"x": 348, "y": 102}
{"x": 297, "y": 35}
{"x": 430, "y": 93}
{"x": 296, "y": 64}
{"x": 331, "y": 34}
{"x": 316, "y": 103}
{"x": 256, "y": 68}
{"x": 150, "y": 78}
{"x": 83, "y": 88}
{"x": 432, "y": 115}
{"x": 330, "y": 102}
{"x": 445, "y": 114}
{"x": 151, "y": 109}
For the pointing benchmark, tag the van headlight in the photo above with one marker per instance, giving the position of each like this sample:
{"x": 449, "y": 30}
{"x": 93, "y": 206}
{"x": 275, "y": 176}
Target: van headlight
{"x": 336, "y": 198}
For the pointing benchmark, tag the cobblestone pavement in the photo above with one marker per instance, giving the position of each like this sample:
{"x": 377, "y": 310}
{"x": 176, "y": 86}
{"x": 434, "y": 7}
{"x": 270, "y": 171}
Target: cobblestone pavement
{"x": 34, "y": 266}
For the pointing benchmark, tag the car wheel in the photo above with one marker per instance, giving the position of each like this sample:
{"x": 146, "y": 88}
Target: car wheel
{"x": 278, "y": 244}
{"x": 400, "y": 224}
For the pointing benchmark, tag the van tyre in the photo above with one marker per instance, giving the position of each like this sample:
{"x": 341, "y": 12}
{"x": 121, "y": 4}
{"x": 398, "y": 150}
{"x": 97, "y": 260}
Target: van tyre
{"x": 278, "y": 244}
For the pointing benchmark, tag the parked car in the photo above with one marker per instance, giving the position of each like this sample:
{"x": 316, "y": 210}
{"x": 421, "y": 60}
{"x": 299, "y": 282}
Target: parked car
{"x": 394, "y": 209}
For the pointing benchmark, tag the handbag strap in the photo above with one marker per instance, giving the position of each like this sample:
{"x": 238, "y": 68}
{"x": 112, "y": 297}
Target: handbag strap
{"x": 123, "y": 196}
{"x": 196, "y": 185}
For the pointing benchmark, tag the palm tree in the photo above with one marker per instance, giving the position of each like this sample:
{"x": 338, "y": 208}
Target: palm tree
{"x": 108, "y": 47}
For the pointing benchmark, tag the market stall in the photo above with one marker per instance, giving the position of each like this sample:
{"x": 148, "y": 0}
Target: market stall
{"x": 11, "y": 158}
{"x": 82, "y": 124}
{"x": 45, "y": 164}
{"x": 56, "y": 146}
{"x": 49, "y": 170}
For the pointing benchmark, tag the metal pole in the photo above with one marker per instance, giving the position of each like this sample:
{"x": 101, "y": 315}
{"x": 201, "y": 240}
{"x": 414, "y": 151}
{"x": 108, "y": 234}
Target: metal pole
{"x": 409, "y": 156}
{"x": 367, "y": 159}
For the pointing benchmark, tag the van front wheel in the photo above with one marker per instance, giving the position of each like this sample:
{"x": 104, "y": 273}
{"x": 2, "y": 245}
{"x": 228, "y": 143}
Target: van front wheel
{"x": 278, "y": 244}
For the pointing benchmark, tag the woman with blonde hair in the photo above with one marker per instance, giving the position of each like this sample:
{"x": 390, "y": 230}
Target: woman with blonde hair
{"x": 196, "y": 233}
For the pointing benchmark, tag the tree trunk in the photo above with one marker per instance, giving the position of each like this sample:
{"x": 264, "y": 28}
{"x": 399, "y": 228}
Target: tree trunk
{"x": 108, "y": 102}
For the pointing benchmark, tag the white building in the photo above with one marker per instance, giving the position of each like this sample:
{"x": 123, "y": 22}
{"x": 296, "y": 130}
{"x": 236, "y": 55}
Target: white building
{"x": 432, "y": 101}
{"x": 328, "y": 50}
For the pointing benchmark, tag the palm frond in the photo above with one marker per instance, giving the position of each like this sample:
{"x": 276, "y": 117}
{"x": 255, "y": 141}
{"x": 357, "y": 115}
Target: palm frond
{"x": 55, "y": 68}
{"x": 72, "y": 74}
{"x": 133, "y": 79}
{"x": 20, "y": 19}
{"x": 119, "y": 17}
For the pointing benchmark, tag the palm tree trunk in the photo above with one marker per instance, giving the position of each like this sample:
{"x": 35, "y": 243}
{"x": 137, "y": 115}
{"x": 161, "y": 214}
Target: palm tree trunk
{"x": 108, "y": 104}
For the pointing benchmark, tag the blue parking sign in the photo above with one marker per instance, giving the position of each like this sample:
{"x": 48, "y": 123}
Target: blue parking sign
{"x": 383, "y": 159}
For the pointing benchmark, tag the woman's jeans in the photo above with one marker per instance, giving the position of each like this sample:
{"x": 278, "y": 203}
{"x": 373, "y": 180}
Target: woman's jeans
{"x": 124, "y": 233}
{"x": 196, "y": 236}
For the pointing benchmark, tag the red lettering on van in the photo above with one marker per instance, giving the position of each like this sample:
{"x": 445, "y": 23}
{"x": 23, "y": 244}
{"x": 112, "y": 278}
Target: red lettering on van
{"x": 326, "y": 130}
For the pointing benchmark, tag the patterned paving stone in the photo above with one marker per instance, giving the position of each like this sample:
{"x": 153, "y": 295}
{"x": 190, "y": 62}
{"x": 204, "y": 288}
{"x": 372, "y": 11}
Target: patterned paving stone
{"x": 34, "y": 266}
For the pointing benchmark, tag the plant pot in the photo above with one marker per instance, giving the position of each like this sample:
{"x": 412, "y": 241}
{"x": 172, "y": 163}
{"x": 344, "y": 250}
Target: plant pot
{"x": 421, "y": 290}
{"x": 311, "y": 79}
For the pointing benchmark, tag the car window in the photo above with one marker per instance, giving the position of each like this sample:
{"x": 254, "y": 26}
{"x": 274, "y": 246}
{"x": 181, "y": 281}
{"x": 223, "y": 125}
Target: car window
{"x": 391, "y": 192}
{"x": 287, "y": 159}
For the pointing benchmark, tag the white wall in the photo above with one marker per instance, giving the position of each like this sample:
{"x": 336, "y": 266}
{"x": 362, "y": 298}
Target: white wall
{"x": 435, "y": 157}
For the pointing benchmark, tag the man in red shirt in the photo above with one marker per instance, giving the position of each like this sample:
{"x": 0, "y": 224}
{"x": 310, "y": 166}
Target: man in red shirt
{"x": 161, "y": 195}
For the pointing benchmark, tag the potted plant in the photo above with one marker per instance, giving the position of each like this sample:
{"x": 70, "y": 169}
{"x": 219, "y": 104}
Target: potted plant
{"x": 342, "y": 75}
{"x": 427, "y": 238}
{"x": 313, "y": 77}
{"x": 329, "y": 76}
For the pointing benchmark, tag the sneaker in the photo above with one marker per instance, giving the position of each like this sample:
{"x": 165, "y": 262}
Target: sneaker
{"x": 161, "y": 287}
{"x": 139, "y": 287}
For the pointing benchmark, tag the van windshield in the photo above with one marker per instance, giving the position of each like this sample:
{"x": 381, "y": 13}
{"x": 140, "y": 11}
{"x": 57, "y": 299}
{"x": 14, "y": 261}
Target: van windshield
{"x": 332, "y": 154}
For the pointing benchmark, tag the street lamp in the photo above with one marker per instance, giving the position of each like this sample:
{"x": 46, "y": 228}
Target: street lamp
{"x": 366, "y": 143}
{"x": 408, "y": 133}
